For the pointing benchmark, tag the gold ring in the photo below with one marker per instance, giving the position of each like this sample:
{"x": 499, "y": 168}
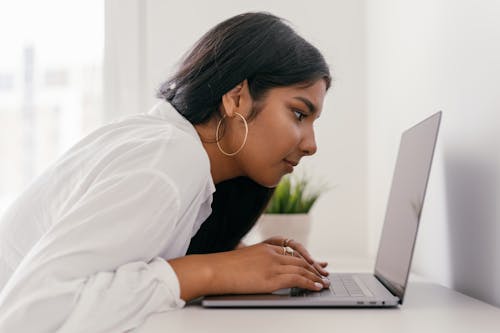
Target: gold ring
{"x": 286, "y": 241}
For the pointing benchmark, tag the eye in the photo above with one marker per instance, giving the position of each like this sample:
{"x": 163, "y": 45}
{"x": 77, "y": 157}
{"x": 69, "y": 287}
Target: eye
{"x": 300, "y": 115}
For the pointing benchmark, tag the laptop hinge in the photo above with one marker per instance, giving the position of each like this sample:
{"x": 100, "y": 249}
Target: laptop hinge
{"x": 388, "y": 288}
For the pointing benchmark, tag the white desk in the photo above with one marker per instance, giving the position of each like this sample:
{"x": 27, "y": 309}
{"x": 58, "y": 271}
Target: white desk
{"x": 428, "y": 307}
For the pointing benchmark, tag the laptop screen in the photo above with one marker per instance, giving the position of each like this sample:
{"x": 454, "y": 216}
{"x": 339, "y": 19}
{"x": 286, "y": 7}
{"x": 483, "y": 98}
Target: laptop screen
{"x": 405, "y": 204}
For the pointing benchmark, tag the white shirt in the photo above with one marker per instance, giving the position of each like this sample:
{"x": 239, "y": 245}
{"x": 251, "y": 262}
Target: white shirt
{"x": 84, "y": 248}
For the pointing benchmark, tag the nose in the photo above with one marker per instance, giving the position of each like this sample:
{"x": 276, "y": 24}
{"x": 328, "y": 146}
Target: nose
{"x": 308, "y": 143}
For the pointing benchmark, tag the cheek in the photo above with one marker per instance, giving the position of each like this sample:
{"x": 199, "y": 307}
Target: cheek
{"x": 276, "y": 141}
{"x": 267, "y": 146}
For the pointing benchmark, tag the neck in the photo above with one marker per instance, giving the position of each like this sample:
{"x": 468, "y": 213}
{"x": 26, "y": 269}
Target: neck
{"x": 222, "y": 167}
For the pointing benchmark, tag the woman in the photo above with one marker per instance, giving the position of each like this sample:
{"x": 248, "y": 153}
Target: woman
{"x": 124, "y": 224}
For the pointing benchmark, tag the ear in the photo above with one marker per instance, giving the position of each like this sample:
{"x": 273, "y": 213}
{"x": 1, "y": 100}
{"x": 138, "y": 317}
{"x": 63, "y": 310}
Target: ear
{"x": 236, "y": 100}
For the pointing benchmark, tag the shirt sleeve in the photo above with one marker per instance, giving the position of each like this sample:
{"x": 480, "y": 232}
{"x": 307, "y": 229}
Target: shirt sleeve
{"x": 96, "y": 269}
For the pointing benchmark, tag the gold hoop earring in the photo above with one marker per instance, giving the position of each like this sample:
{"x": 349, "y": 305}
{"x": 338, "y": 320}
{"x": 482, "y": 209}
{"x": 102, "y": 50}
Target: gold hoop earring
{"x": 244, "y": 140}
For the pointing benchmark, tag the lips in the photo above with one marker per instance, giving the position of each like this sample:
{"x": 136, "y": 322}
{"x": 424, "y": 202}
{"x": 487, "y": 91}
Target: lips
{"x": 291, "y": 162}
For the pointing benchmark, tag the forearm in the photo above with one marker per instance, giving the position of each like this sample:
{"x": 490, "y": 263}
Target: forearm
{"x": 206, "y": 274}
{"x": 195, "y": 275}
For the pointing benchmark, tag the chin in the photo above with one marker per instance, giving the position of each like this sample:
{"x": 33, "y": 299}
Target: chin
{"x": 271, "y": 181}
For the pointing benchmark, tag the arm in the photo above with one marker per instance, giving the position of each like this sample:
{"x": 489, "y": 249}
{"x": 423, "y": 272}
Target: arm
{"x": 99, "y": 261}
{"x": 259, "y": 268}
{"x": 195, "y": 275}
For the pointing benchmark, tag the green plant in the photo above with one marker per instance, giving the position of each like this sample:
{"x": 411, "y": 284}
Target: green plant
{"x": 293, "y": 195}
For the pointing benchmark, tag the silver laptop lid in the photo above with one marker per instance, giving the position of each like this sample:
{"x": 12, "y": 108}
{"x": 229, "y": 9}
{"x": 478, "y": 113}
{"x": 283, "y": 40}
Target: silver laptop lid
{"x": 405, "y": 204}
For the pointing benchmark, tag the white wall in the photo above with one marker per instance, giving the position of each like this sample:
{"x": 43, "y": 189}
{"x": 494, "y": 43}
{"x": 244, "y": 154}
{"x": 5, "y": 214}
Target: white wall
{"x": 424, "y": 56}
{"x": 147, "y": 38}
{"x": 124, "y": 62}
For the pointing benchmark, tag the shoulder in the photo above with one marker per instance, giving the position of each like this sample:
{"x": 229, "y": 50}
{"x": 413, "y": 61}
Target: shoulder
{"x": 184, "y": 158}
{"x": 185, "y": 161}
{"x": 166, "y": 145}
{"x": 163, "y": 141}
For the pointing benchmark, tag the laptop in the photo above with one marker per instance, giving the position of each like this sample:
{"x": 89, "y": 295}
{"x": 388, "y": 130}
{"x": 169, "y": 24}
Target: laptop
{"x": 386, "y": 286}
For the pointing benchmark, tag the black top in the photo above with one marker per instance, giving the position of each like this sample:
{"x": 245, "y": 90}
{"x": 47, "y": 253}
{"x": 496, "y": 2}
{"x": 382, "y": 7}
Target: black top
{"x": 236, "y": 206}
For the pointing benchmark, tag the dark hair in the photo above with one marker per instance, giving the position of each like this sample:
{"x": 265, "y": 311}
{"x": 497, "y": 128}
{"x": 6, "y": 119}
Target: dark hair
{"x": 237, "y": 204}
{"x": 268, "y": 53}
{"x": 258, "y": 47}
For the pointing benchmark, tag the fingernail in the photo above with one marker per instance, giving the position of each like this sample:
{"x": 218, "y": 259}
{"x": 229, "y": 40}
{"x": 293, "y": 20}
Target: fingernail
{"x": 318, "y": 285}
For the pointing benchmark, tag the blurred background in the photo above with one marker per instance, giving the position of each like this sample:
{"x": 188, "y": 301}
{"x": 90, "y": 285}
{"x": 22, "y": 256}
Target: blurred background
{"x": 67, "y": 67}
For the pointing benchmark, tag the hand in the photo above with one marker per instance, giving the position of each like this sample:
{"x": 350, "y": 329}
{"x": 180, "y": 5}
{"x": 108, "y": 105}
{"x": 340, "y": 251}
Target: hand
{"x": 300, "y": 251}
{"x": 261, "y": 268}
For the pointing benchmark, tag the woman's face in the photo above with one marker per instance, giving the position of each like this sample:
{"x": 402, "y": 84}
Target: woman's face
{"x": 282, "y": 131}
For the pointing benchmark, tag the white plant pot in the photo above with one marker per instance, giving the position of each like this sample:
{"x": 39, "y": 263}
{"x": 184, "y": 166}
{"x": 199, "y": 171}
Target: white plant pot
{"x": 294, "y": 226}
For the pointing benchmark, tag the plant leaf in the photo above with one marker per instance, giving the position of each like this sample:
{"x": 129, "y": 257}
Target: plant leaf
{"x": 294, "y": 197}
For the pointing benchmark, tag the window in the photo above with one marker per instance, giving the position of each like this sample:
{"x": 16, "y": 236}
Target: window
{"x": 50, "y": 84}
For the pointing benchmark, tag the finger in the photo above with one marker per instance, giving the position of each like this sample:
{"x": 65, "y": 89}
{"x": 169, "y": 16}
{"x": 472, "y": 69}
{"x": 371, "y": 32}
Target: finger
{"x": 303, "y": 251}
{"x": 315, "y": 267}
{"x": 278, "y": 249}
{"x": 297, "y": 260}
{"x": 275, "y": 240}
{"x": 307, "y": 256}
{"x": 319, "y": 268}
{"x": 300, "y": 262}
{"x": 290, "y": 269}
{"x": 294, "y": 280}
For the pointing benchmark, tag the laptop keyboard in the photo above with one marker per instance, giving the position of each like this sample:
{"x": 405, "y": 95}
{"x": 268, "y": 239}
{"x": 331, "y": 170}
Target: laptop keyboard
{"x": 340, "y": 285}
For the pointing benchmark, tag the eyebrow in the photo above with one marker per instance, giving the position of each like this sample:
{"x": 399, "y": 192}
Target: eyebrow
{"x": 308, "y": 103}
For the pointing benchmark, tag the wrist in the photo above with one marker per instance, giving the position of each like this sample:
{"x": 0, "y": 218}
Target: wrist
{"x": 195, "y": 275}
